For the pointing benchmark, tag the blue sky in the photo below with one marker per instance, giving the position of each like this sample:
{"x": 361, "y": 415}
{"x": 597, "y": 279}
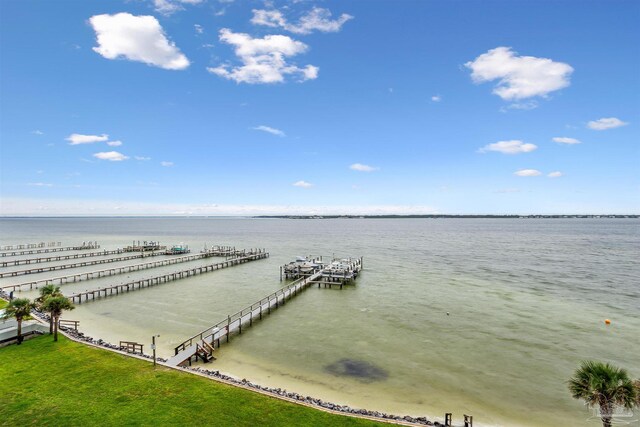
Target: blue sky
{"x": 212, "y": 107}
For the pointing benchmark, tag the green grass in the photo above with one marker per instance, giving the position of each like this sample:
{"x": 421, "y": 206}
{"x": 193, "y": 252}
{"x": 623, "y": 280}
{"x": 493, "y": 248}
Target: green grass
{"x": 3, "y": 303}
{"x": 70, "y": 384}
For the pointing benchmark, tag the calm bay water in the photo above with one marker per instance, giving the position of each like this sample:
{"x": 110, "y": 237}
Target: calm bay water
{"x": 526, "y": 300}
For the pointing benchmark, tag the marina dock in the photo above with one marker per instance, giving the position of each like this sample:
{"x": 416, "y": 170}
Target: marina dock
{"x": 30, "y": 246}
{"x": 77, "y": 264}
{"x": 145, "y": 283}
{"x": 202, "y": 345}
{"x": 116, "y": 270}
{"x": 59, "y": 258}
{"x": 84, "y": 246}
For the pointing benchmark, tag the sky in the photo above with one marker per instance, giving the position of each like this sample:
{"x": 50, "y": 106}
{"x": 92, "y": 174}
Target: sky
{"x": 222, "y": 107}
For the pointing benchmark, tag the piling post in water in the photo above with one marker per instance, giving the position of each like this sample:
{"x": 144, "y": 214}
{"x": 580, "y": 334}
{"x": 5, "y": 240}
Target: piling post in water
{"x": 447, "y": 419}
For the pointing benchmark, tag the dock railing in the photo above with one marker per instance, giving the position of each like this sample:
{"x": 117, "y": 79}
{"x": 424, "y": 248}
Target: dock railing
{"x": 222, "y": 328}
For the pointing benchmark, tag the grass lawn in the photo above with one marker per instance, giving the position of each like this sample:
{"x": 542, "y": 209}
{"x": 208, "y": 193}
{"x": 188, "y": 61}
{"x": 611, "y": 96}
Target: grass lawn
{"x": 70, "y": 384}
{"x": 3, "y": 303}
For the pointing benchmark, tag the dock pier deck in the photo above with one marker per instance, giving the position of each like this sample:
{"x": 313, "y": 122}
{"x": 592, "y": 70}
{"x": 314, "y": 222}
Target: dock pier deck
{"x": 60, "y": 258}
{"x": 43, "y": 269}
{"x": 84, "y": 246}
{"x": 169, "y": 277}
{"x": 234, "y": 323}
{"x": 29, "y": 246}
{"x": 78, "y": 277}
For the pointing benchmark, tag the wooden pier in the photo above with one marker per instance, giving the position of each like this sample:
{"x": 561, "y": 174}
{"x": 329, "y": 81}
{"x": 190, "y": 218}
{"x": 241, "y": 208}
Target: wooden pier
{"x": 229, "y": 251}
{"x": 145, "y": 247}
{"x": 221, "y": 332}
{"x": 234, "y": 323}
{"x": 146, "y": 283}
{"x": 78, "y": 277}
{"x": 30, "y": 246}
{"x": 42, "y": 269}
{"x": 85, "y": 246}
{"x": 60, "y": 258}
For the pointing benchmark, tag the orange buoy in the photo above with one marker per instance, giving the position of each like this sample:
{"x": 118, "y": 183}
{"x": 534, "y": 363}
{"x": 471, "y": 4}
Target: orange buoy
{"x": 607, "y": 321}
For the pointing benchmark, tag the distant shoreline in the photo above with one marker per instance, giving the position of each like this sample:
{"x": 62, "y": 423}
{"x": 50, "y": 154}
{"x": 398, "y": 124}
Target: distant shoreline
{"x": 425, "y": 216}
{"x": 435, "y": 216}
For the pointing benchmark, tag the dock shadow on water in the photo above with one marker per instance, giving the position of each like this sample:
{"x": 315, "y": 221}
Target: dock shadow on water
{"x": 359, "y": 369}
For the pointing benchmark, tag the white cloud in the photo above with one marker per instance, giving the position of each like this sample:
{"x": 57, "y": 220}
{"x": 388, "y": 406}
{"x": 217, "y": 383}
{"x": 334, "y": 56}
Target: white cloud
{"x": 137, "y": 38}
{"x": 114, "y": 143}
{"x": 168, "y": 7}
{"x": 141, "y": 158}
{"x": 198, "y": 28}
{"x": 40, "y": 184}
{"x": 76, "y": 138}
{"x": 37, "y": 132}
{"x": 317, "y": 19}
{"x": 436, "y": 98}
{"x": 513, "y": 146}
{"x": 606, "y": 123}
{"x": 363, "y": 168}
{"x": 524, "y": 106}
{"x": 556, "y": 174}
{"x": 263, "y": 60}
{"x": 303, "y": 184}
{"x": 166, "y": 164}
{"x": 519, "y": 76}
{"x": 565, "y": 140}
{"x": 112, "y": 156}
{"x": 507, "y": 191}
{"x": 528, "y": 172}
{"x": 270, "y": 130}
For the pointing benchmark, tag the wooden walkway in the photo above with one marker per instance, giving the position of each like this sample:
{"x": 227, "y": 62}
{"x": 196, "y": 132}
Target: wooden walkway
{"x": 49, "y": 250}
{"x": 243, "y": 318}
{"x": 42, "y": 269}
{"x": 29, "y": 246}
{"x": 60, "y": 258}
{"x": 145, "y": 283}
{"x": 78, "y": 277}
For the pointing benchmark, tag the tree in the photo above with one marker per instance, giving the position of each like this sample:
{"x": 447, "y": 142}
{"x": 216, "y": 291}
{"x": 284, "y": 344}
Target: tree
{"x": 56, "y": 305}
{"x": 18, "y": 308}
{"x": 605, "y": 386}
{"x": 46, "y": 292}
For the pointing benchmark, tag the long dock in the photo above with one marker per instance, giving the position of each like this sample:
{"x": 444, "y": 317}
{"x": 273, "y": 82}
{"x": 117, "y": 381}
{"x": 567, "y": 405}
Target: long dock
{"x": 91, "y": 245}
{"x": 145, "y": 283}
{"x": 42, "y": 269}
{"x": 60, "y": 258}
{"x": 234, "y": 323}
{"x": 203, "y": 344}
{"x": 29, "y": 246}
{"x": 78, "y": 277}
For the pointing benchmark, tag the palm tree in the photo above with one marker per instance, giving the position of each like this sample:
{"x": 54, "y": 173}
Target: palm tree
{"x": 603, "y": 385}
{"x": 18, "y": 308}
{"x": 46, "y": 292}
{"x": 56, "y": 305}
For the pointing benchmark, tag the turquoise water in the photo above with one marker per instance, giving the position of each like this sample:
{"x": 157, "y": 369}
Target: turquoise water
{"x": 526, "y": 300}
